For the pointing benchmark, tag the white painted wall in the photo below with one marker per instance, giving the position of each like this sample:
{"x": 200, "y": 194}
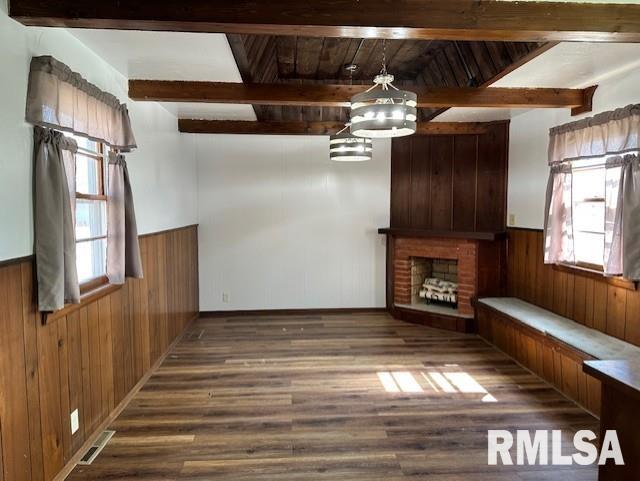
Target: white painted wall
{"x": 529, "y": 139}
{"x": 281, "y": 226}
{"x": 163, "y": 169}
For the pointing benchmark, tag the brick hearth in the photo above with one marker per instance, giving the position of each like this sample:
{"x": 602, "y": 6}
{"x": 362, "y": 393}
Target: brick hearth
{"x": 465, "y": 252}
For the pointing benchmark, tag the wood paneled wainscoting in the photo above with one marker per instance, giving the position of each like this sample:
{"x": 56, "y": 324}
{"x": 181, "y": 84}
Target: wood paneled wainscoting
{"x": 607, "y": 305}
{"x": 88, "y": 358}
{"x": 589, "y": 299}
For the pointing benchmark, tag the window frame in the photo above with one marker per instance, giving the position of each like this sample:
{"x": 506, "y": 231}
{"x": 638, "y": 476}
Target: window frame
{"x": 100, "y": 281}
{"x": 597, "y": 268}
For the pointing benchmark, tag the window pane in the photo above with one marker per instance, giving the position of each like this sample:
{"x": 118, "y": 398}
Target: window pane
{"x": 588, "y": 184}
{"x": 87, "y": 175}
{"x": 91, "y": 219}
{"x": 589, "y": 248}
{"x": 589, "y": 216}
{"x": 91, "y": 259}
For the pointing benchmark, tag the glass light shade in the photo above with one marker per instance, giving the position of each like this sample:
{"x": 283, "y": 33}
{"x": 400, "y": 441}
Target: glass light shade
{"x": 384, "y": 113}
{"x": 345, "y": 147}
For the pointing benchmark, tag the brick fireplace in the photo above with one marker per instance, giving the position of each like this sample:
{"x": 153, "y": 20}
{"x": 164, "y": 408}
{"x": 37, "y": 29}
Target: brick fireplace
{"x": 442, "y": 251}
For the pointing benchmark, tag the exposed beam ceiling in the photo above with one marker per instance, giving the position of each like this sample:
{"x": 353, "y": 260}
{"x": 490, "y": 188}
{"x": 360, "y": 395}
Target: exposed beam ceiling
{"x": 194, "y": 126}
{"x": 418, "y": 19}
{"x": 338, "y": 95}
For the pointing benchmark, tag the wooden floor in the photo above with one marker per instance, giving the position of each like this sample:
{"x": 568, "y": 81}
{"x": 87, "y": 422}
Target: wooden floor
{"x": 313, "y": 398}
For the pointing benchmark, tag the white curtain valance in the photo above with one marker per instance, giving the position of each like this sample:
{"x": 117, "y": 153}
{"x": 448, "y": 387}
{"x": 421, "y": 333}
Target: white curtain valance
{"x": 61, "y": 99}
{"x": 608, "y": 133}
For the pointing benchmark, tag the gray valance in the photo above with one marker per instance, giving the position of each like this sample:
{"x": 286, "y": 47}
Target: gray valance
{"x": 61, "y": 99}
{"x": 608, "y": 133}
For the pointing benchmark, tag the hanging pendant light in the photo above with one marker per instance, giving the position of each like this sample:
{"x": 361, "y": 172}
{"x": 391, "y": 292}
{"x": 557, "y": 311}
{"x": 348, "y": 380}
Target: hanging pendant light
{"x": 345, "y": 147}
{"x": 384, "y": 110}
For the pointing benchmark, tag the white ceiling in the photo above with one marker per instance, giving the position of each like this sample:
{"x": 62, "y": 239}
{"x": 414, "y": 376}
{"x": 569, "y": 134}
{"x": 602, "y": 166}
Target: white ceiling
{"x": 171, "y": 56}
{"x": 568, "y": 65}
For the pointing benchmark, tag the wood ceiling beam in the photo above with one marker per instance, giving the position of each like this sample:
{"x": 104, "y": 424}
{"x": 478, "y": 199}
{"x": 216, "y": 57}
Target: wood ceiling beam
{"x": 194, "y": 126}
{"x": 320, "y": 95}
{"x": 418, "y": 19}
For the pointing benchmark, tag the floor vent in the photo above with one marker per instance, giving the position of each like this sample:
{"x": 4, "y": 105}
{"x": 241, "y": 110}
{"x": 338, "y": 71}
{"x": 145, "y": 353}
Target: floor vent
{"x": 97, "y": 447}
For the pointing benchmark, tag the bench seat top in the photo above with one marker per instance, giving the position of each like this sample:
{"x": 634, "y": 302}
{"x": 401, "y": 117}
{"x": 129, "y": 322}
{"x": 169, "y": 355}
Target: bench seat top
{"x": 590, "y": 341}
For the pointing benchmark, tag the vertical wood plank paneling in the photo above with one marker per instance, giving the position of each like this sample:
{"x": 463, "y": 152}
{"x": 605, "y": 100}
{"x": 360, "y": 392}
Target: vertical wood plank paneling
{"x": 400, "y": 182}
{"x": 455, "y": 182}
{"x": 616, "y": 311}
{"x": 587, "y": 300}
{"x": 420, "y": 183}
{"x": 13, "y": 385}
{"x": 86, "y": 413}
{"x": 441, "y": 149}
{"x": 87, "y": 360}
{"x": 632, "y": 324}
{"x": 63, "y": 373}
{"x": 465, "y": 168}
{"x": 30, "y": 321}
{"x": 50, "y": 408}
{"x": 492, "y": 172}
{"x": 106, "y": 355}
{"x": 98, "y": 407}
{"x": 76, "y": 374}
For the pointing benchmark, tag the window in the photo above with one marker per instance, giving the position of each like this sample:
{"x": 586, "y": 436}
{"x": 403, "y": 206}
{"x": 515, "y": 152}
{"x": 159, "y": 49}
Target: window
{"x": 589, "y": 180}
{"x": 91, "y": 213}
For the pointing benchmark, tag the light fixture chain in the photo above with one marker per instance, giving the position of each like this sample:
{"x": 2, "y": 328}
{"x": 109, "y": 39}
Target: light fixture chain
{"x": 384, "y": 57}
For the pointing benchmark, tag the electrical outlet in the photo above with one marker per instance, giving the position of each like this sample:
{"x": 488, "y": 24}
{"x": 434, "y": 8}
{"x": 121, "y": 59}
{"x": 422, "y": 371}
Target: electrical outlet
{"x": 225, "y": 297}
{"x": 512, "y": 219}
{"x": 75, "y": 421}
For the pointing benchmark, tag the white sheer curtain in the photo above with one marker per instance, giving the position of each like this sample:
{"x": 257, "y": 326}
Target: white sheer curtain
{"x": 611, "y": 135}
{"x": 558, "y": 227}
{"x": 622, "y": 217}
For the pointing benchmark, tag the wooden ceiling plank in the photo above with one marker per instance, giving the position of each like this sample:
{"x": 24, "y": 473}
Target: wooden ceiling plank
{"x": 313, "y": 128}
{"x": 286, "y": 49}
{"x": 314, "y": 94}
{"x": 331, "y": 58}
{"x": 419, "y": 19}
{"x": 308, "y": 51}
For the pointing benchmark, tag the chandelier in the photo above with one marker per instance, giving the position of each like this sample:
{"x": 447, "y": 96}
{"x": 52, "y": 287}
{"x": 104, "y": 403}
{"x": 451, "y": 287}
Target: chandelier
{"x": 345, "y": 147}
{"x": 384, "y": 110}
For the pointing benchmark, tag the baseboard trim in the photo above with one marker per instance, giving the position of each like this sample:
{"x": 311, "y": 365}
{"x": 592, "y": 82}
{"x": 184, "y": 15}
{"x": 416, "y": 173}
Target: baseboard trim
{"x": 294, "y": 312}
{"x": 73, "y": 462}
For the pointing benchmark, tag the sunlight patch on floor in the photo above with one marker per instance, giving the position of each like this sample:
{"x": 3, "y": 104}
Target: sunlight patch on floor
{"x": 444, "y": 380}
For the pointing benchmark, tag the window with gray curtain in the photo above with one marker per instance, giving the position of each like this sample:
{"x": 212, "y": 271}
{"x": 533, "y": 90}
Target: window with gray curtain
{"x": 59, "y": 99}
{"x": 593, "y": 194}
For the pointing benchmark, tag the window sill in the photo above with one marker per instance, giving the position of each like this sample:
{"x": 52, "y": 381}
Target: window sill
{"x": 85, "y": 299}
{"x": 597, "y": 275}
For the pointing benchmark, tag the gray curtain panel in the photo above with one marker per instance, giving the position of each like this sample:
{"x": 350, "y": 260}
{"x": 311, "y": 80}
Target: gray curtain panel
{"x": 558, "y": 222}
{"x": 123, "y": 250}
{"x": 622, "y": 226}
{"x": 54, "y": 217}
{"x": 61, "y": 99}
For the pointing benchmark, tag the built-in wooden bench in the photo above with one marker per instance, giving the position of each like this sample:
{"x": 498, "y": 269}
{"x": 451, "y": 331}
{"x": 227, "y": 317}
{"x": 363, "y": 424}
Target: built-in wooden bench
{"x": 552, "y": 346}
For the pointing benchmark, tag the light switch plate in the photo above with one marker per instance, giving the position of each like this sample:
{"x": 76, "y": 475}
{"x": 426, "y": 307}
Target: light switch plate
{"x": 75, "y": 421}
{"x": 512, "y": 219}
